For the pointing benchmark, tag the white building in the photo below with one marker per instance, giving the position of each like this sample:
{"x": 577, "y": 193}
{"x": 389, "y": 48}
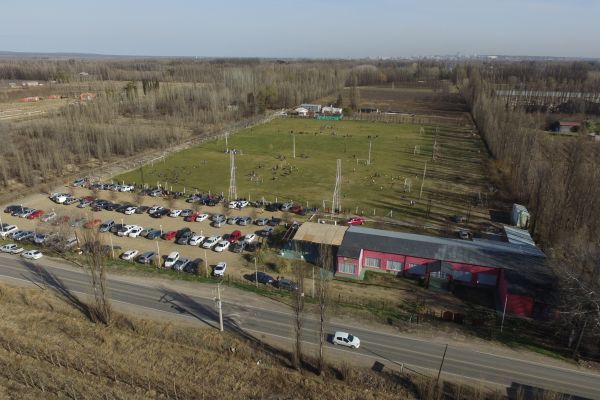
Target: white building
{"x": 301, "y": 111}
{"x": 331, "y": 110}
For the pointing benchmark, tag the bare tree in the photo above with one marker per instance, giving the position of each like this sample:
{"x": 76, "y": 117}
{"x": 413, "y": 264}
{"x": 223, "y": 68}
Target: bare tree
{"x": 95, "y": 267}
{"x": 298, "y": 310}
{"x": 323, "y": 295}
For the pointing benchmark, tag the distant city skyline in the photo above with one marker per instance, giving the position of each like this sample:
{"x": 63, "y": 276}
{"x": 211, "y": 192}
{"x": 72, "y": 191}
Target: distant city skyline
{"x": 306, "y": 29}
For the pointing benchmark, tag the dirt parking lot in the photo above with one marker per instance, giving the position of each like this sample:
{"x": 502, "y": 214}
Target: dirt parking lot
{"x": 234, "y": 261}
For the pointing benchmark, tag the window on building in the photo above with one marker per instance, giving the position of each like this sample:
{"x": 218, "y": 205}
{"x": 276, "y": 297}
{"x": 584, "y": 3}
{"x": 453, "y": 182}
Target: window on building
{"x": 463, "y": 276}
{"x": 347, "y": 268}
{"x": 371, "y": 262}
{"x": 394, "y": 265}
{"x": 486, "y": 279}
{"x": 416, "y": 269}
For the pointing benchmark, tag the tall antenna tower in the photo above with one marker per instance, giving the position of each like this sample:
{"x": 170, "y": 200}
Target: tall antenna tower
{"x": 336, "y": 204}
{"x": 232, "y": 186}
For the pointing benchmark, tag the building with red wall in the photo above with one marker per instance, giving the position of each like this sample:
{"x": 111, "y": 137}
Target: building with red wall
{"x": 514, "y": 271}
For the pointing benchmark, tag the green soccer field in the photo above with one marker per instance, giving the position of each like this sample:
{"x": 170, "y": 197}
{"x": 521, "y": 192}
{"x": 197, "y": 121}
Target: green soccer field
{"x": 265, "y": 166}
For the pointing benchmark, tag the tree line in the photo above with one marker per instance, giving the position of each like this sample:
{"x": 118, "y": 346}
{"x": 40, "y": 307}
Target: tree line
{"x": 557, "y": 178}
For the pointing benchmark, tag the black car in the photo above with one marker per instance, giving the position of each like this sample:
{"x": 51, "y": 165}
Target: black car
{"x": 123, "y": 207}
{"x": 261, "y": 277}
{"x": 285, "y": 284}
{"x": 153, "y": 234}
{"x": 273, "y": 207}
{"x": 111, "y": 206}
{"x": 147, "y": 257}
{"x": 116, "y": 228}
{"x": 11, "y": 209}
{"x": 193, "y": 266}
{"x": 274, "y": 221}
{"x": 160, "y": 213}
{"x": 141, "y": 209}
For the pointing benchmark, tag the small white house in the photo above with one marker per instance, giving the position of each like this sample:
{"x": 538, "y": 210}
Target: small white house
{"x": 331, "y": 110}
{"x": 301, "y": 111}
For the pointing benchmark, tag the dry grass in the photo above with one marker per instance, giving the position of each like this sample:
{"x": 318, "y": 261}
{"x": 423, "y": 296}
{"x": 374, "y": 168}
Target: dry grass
{"x": 48, "y": 350}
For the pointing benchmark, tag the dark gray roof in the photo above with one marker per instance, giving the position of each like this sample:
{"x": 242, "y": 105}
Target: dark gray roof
{"x": 524, "y": 264}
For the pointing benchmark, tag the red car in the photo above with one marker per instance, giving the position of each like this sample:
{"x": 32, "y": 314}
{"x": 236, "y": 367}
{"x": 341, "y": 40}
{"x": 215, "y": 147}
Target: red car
{"x": 191, "y": 218}
{"x": 170, "y": 235}
{"x": 296, "y": 209}
{"x": 356, "y": 221}
{"x": 92, "y": 223}
{"x": 35, "y": 214}
{"x": 235, "y": 236}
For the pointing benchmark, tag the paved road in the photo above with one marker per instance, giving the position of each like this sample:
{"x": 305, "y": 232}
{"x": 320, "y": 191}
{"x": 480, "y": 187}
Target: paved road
{"x": 390, "y": 350}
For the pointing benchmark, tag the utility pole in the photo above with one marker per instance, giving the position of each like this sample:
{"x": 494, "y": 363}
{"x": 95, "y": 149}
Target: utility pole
{"x": 112, "y": 248}
{"x": 157, "y": 254}
{"x": 369, "y": 160}
{"x": 423, "y": 180}
{"x": 336, "y": 203}
{"x": 503, "y": 313}
{"x": 294, "y": 145}
{"x": 232, "y": 186}
{"x": 206, "y": 263}
{"x": 219, "y": 305}
{"x": 442, "y": 364}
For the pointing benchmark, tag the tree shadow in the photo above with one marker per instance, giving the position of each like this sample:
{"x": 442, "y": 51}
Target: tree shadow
{"x": 54, "y": 283}
{"x": 210, "y": 316}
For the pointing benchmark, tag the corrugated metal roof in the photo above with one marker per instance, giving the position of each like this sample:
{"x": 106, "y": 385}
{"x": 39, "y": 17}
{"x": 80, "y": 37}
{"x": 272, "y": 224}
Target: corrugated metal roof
{"x": 332, "y": 235}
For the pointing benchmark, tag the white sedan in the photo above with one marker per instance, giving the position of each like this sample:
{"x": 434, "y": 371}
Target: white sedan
{"x": 201, "y": 217}
{"x": 32, "y": 254}
{"x": 346, "y": 339}
{"x": 135, "y": 232}
{"x": 175, "y": 213}
{"x": 129, "y": 255}
{"x": 211, "y": 241}
{"x": 222, "y": 246}
{"x": 196, "y": 240}
{"x": 9, "y": 248}
{"x": 249, "y": 238}
{"x": 130, "y": 210}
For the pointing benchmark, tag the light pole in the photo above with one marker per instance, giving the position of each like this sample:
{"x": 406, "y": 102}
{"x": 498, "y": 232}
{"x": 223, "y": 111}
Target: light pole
{"x": 206, "y": 263}
{"x": 158, "y": 254}
{"x": 220, "y": 306}
{"x": 255, "y": 272}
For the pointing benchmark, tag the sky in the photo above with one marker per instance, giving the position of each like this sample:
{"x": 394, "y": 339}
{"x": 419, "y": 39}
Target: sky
{"x": 303, "y": 28}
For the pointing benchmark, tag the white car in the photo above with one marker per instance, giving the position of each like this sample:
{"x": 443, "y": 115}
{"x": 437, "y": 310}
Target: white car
{"x": 130, "y": 210}
{"x": 129, "y": 255}
{"x": 8, "y": 248}
{"x": 8, "y": 230}
{"x": 59, "y": 197}
{"x": 233, "y": 204}
{"x": 220, "y": 268}
{"x": 242, "y": 203}
{"x": 126, "y": 230}
{"x": 135, "y": 232}
{"x": 171, "y": 259}
{"x": 175, "y": 213}
{"x": 48, "y": 216}
{"x": 32, "y": 254}
{"x": 126, "y": 188}
{"x": 251, "y": 237}
{"x": 153, "y": 209}
{"x": 196, "y": 240}
{"x": 222, "y": 246}
{"x": 201, "y": 217}
{"x": 211, "y": 241}
{"x": 346, "y": 339}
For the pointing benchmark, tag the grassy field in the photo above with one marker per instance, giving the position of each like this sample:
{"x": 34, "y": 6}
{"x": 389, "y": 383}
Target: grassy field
{"x": 265, "y": 167}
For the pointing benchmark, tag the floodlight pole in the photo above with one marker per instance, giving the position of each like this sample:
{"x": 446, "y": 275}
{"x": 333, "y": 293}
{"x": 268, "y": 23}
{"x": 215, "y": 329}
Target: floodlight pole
{"x": 255, "y": 272}
{"x": 219, "y": 304}
{"x": 423, "y": 180}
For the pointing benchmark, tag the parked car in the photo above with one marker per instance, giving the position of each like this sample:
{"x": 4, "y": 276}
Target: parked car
{"x": 186, "y": 212}
{"x": 156, "y": 193}
{"x": 274, "y": 221}
{"x": 233, "y": 204}
{"x": 218, "y": 224}
{"x": 79, "y": 182}
{"x": 458, "y": 218}
{"x": 169, "y": 235}
{"x": 191, "y": 217}
{"x": 23, "y": 235}
{"x": 268, "y": 231}
{"x": 175, "y": 213}
{"x": 261, "y": 277}
{"x": 135, "y": 232}
{"x": 217, "y": 217}
{"x": 130, "y": 210}
{"x": 286, "y": 206}
{"x": 286, "y": 284}
{"x": 125, "y": 230}
{"x": 35, "y": 214}
{"x": 83, "y": 203}
{"x": 115, "y": 228}
{"x": 185, "y": 237}
{"x": 153, "y": 209}
{"x": 219, "y": 269}
{"x": 235, "y": 236}
{"x": 59, "y": 198}
{"x": 261, "y": 221}
{"x": 111, "y": 206}
{"x": 253, "y": 246}
{"x": 346, "y": 339}
{"x": 222, "y": 246}
{"x": 39, "y": 238}
{"x": 242, "y": 203}
{"x": 196, "y": 240}
{"x": 183, "y": 231}
{"x": 69, "y": 201}
{"x": 48, "y": 216}
{"x": 201, "y": 217}
{"x": 211, "y": 241}
{"x": 126, "y": 188}
{"x": 8, "y": 248}
{"x": 161, "y": 212}
{"x": 355, "y": 221}
{"x": 32, "y": 254}
{"x": 180, "y": 264}
{"x": 244, "y": 221}
{"x": 129, "y": 255}
{"x": 273, "y": 207}
{"x": 192, "y": 266}
{"x": 171, "y": 259}
{"x": 296, "y": 209}
{"x": 153, "y": 234}
{"x": 239, "y": 247}
{"x": 92, "y": 223}
{"x": 464, "y": 234}
{"x": 7, "y": 230}
{"x": 250, "y": 237}
{"x": 232, "y": 220}
{"x": 147, "y": 257}
{"x": 141, "y": 209}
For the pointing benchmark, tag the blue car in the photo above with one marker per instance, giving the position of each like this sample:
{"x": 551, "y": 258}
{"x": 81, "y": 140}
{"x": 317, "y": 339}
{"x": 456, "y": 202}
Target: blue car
{"x": 153, "y": 234}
